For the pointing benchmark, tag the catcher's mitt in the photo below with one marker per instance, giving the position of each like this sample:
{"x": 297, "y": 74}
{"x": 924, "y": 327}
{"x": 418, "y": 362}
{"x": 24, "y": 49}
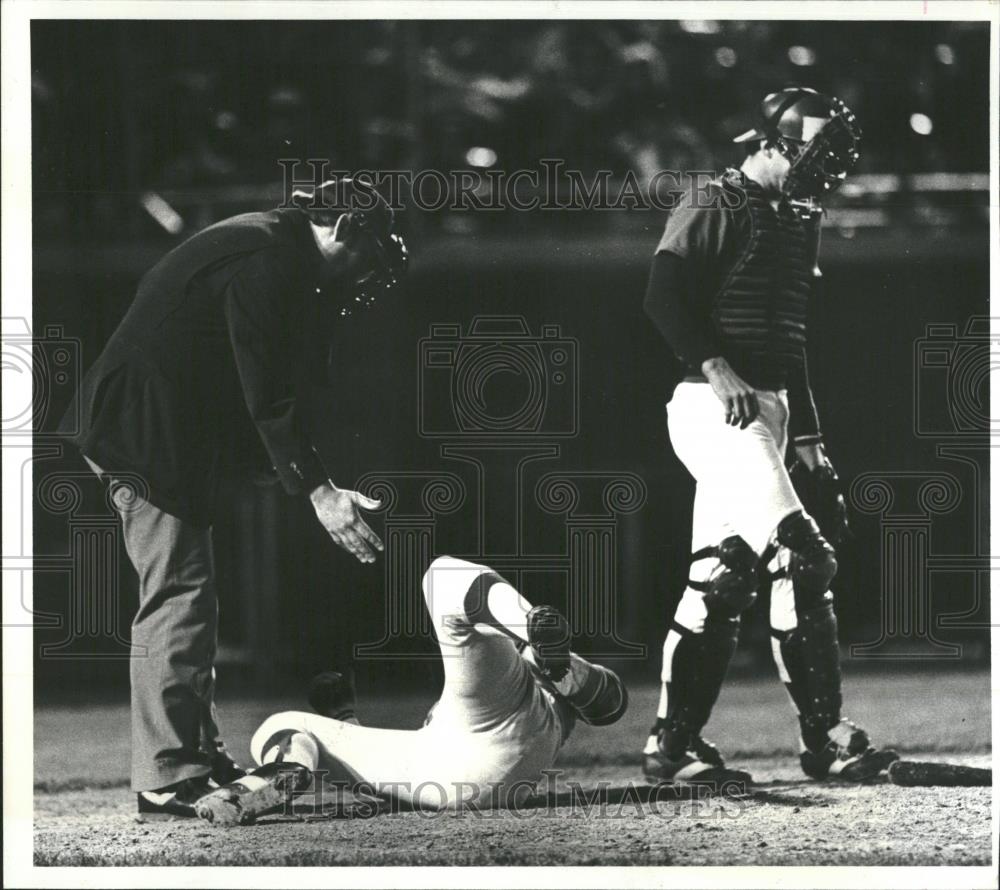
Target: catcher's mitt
{"x": 819, "y": 491}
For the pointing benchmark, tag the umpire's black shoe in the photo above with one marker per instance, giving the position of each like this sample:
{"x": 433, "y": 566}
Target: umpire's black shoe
{"x": 549, "y": 638}
{"x": 846, "y": 754}
{"x": 698, "y": 764}
{"x": 176, "y": 801}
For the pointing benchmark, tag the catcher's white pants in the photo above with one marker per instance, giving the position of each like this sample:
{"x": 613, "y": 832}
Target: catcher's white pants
{"x": 493, "y": 723}
{"x": 742, "y": 487}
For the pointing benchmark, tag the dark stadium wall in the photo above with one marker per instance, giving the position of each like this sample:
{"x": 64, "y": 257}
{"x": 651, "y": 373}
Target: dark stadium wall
{"x": 291, "y": 601}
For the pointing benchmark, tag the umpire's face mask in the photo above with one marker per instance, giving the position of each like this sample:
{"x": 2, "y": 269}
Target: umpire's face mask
{"x": 374, "y": 262}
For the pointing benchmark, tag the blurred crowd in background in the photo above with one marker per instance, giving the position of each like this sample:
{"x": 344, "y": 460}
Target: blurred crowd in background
{"x": 124, "y": 107}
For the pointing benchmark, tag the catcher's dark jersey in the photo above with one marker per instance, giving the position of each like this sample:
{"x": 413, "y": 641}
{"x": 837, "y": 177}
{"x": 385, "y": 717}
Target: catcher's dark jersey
{"x": 206, "y": 372}
{"x": 731, "y": 277}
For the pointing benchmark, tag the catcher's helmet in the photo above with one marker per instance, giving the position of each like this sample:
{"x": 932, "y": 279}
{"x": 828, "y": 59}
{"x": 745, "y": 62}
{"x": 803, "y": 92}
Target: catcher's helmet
{"x": 357, "y": 206}
{"x": 818, "y": 134}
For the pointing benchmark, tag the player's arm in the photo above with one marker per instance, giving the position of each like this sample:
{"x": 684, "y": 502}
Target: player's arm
{"x": 267, "y": 337}
{"x": 677, "y": 304}
{"x": 803, "y": 419}
{"x": 815, "y": 479}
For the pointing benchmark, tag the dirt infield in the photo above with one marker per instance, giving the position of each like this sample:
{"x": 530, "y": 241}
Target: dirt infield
{"x": 84, "y": 812}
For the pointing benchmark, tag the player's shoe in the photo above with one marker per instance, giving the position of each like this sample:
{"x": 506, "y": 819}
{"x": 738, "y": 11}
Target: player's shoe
{"x": 602, "y": 698}
{"x": 224, "y": 768}
{"x": 332, "y": 694}
{"x": 549, "y": 639}
{"x": 697, "y": 763}
{"x": 847, "y": 755}
{"x": 175, "y": 802}
{"x": 266, "y": 789}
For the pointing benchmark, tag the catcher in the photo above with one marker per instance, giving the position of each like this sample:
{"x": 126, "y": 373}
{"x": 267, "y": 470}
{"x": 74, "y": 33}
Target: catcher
{"x": 728, "y": 290}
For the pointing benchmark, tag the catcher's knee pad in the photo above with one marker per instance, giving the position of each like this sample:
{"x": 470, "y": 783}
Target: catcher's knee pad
{"x": 813, "y": 562}
{"x": 732, "y": 587}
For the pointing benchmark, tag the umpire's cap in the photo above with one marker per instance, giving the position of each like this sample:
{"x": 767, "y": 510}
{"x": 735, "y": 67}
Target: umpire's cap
{"x": 357, "y": 205}
{"x": 327, "y": 203}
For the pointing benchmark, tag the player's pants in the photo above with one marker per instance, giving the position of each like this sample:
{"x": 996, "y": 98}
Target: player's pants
{"x": 492, "y": 732}
{"x": 742, "y": 488}
{"x": 174, "y": 731}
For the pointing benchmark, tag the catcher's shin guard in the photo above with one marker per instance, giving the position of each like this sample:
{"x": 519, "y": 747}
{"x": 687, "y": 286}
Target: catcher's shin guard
{"x": 697, "y": 668}
{"x": 809, "y": 662}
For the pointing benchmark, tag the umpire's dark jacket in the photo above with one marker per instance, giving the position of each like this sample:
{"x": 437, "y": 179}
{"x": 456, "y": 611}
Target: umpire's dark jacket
{"x": 207, "y": 371}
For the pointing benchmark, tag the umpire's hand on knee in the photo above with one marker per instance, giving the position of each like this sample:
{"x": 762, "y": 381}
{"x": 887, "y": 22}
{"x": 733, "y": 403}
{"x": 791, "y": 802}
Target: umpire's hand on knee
{"x": 339, "y": 512}
{"x": 737, "y": 396}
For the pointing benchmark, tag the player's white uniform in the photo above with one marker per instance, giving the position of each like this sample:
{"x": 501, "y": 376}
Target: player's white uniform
{"x": 742, "y": 489}
{"x": 494, "y": 723}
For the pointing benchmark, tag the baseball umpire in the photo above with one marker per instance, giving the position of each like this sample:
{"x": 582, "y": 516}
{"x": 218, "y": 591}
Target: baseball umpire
{"x": 728, "y": 290}
{"x": 205, "y": 378}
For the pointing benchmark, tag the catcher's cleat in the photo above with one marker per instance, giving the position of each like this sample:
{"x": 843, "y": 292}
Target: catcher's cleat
{"x": 848, "y": 755}
{"x": 332, "y": 694}
{"x": 266, "y": 789}
{"x": 174, "y": 802}
{"x": 549, "y": 639}
{"x": 697, "y": 764}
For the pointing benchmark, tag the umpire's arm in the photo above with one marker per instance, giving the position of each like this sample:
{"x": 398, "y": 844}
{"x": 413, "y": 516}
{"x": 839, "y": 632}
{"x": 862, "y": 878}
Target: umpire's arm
{"x": 264, "y": 314}
{"x": 262, "y": 306}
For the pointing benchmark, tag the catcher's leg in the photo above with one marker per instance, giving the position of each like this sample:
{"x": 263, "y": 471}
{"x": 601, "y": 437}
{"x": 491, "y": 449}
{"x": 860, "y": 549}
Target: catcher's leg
{"x": 698, "y": 648}
{"x": 742, "y": 492}
{"x": 696, "y": 655}
{"x": 804, "y": 645}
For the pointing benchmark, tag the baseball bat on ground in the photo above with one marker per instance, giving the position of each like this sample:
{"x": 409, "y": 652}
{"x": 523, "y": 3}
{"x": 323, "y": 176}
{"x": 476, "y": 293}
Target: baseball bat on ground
{"x": 913, "y": 773}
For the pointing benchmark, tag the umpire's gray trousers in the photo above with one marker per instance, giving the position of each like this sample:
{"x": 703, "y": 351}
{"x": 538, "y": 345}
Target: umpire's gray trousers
{"x": 174, "y": 731}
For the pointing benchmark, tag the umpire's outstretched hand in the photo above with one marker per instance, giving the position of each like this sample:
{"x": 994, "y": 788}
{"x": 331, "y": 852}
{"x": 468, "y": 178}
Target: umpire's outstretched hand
{"x": 337, "y": 510}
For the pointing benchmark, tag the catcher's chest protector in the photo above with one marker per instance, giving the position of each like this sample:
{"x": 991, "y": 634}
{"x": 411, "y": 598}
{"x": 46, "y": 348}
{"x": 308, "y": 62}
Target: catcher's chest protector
{"x": 760, "y": 309}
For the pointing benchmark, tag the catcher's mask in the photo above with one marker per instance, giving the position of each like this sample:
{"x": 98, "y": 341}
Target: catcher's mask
{"x": 819, "y": 135}
{"x": 365, "y": 218}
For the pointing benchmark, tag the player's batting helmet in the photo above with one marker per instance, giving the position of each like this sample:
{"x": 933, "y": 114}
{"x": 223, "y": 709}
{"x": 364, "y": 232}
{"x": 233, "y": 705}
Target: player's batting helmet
{"x": 356, "y": 205}
{"x": 818, "y": 134}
